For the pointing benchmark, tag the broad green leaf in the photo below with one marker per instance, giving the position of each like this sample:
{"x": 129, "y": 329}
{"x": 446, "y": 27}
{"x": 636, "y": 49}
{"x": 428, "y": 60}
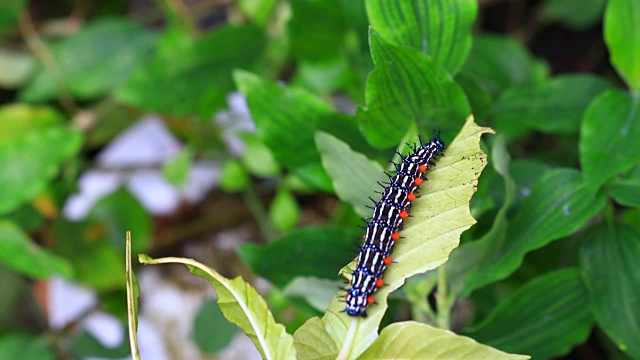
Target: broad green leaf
{"x": 560, "y": 203}
{"x": 133, "y": 295}
{"x": 440, "y": 28}
{"x": 17, "y": 120}
{"x": 608, "y": 139}
{"x": 499, "y": 62}
{"x": 609, "y": 265}
{"x": 29, "y": 162}
{"x": 545, "y": 318}
{"x": 310, "y": 251}
{"x": 412, "y": 340}
{"x": 439, "y": 216}
{"x": 19, "y": 253}
{"x": 19, "y": 345}
{"x": 234, "y": 177}
{"x": 284, "y": 210}
{"x": 184, "y": 80}
{"x": 406, "y": 87}
{"x": 96, "y": 60}
{"x": 316, "y": 291}
{"x": 354, "y": 176}
{"x": 576, "y": 14}
{"x": 317, "y": 29}
{"x": 626, "y": 191}
{"x": 257, "y": 158}
{"x": 258, "y": 11}
{"x": 622, "y": 35}
{"x": 553, "y": 106}
{"x": 211, "y": 330}
{"x": 479, "y": 98}
{"x": 242, "y": 305}
{"x": 16, "y": 68}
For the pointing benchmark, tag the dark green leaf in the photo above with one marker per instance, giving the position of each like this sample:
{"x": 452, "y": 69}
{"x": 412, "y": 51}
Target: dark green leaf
{"x": 9, "y": 12}
{"x": 20, "y": 345}
{"x": 319, "y": 252}
{"x": 439, "y": 28}
{"x": 407, "y": 86}
{"x": 211, "y": 330}
{"x": 626, "y": 191}
{"x": 553, "y": 106}
{"x": 609, "y": 264}
{"x": 180, "y": 82}
{"x": 479, "y": 98}
{"x": 317, "y": 29}
{"x": 622, "y": 35}
{"x": 560, "y": 203}
{"x": 577, "y": 14}
{"x": 29, "y": 162}
{"x": 85, "y": 345}
{"x": 94, "y": 61}
{"x": 609, "y": 136}
{"x": 544, "y": 318}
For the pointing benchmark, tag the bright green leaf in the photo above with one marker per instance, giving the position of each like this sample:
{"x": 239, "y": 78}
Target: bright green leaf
{"x": 177, "y": 169}
{"x": 234, "y": 177}
{"x": 439, "y": 216}
{"x": 407, "y": 86}
{"x": 609, "y": 264}
{"x": 257, "y": 158}
{"x": 242, "y": 305}
{"x": 440, "y": 28}
{"x": 17, "y": 120}
{"x": 609, "y": 136}
{"x": 19, "y": 253}
{"x": 545, "y": 318}
{"x": 626, "y": 191}
{"x": 29, "y": 162}
{"x": 622, "y": 35}
{"x": 258, "y": 11}
{"x": 284, "y": 210}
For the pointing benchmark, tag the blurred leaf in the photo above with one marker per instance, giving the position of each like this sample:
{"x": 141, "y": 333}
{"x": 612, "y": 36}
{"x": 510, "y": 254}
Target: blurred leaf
{"x": 315, "y": 252}
{"x": 609, "y": 265}
{"x": 17, "y": 120}
{"x": 479, "y": 98}
{"x": 242, "y": 305}
{"x": 178, "y": 82}
{"x": 15, "y": 67}
{"x": 234, "y": 178}
{"x": 284, "y": 210}
{"x": 211, "y": 331}
{"x": 576, "y": 14}
{"x": 622, "y": 35}
{"x": 407, "y": 86}
{"x": 354, "y": 176}
{"x": 412, "y": 340}
{"x": 498, "y": 62}
{"x": 258, "y": 11}
{"x": 553, "y": 106}
{"x": 118, "y": 213}
{"x": 19, "y": 345}
{"x": 257, "y": 158}
{"x": 96, "y": 60}
{"x": 29, "y": 162}
{"x": 23, "y": 255}
{"x": 626, "y": 191}
{"x": 326, "y": 76}
{"x": 316, "y": 291}
{"x": 14, "y": 287}
{"x": 544, "y": 318}
{"x": 560, "y": 203}
{"x": 9, "y": 12}
{"x": 608, "y": 142}
{"x": 438, "y": 28}
{"x": 317, "y": 29}
{"x": 438, "y": 217}
{"x": 86, "y": 346}
{"x": 176, "y": 170}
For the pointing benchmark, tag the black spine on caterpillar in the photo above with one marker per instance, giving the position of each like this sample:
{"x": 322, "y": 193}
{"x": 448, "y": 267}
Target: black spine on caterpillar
{"x": 383, "y": 227}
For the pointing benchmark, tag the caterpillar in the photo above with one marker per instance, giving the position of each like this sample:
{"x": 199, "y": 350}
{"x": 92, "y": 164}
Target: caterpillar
{"x": 382, "y": 230}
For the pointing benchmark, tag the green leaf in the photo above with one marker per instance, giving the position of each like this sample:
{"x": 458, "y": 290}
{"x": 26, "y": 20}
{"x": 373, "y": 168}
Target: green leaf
{"x": 576, "y": 14}
{"x": 622, "y": 35}
{"x": 29, "y": 162}
{"x": 560, "y": 203}
{"x": 96, "y": 60}
{"x": 407, "y": 86}
{"x": 257, "y": 158}
{"x": 19, "y": 345}
{"x": 316, "y": 291}
{"x": 354, "y": 176}
{"x": 234, "y": 177}
{"x": 284, "y": 210}
{"x": 608, "y": 141}
{"x": 9, "y": 12}
{"x": 16, "y": 68}
{"x": 242, "y": 305}
{"x": 17, "y": 120}
{"x": 195, "y": 73}
{"x": 479, "y": 98}
{"x": 609, "y": 265}
{"x": 19, "y": 253}
{"x": 317, "y": 29}
{"x": 133, "y": 296}
{"x": 499, "y": 62}
{"x": 211, "y": 331}
{"x": 258, "y": 11}
{"x": 553, "y": 106}
{"x": 412, "y": 340}
{"x": 545, "y": 318}
{"x": 439, "y": 216}
{"x": 176, "y": 170}
{"x": 440, "y": 28}
{"x": 626, "y": 191}
{"x": 311, "y": 251}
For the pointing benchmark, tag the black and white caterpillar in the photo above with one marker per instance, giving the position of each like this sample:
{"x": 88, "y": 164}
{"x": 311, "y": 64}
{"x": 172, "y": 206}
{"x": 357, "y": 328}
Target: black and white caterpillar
{"x": 383, "y": 227}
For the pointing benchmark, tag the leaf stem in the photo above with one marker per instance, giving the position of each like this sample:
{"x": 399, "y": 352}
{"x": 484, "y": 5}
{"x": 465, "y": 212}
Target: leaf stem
{"x": 442, "y": 301}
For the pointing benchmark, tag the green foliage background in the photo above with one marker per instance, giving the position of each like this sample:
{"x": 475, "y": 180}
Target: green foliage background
{"x": 551, "y": 264}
